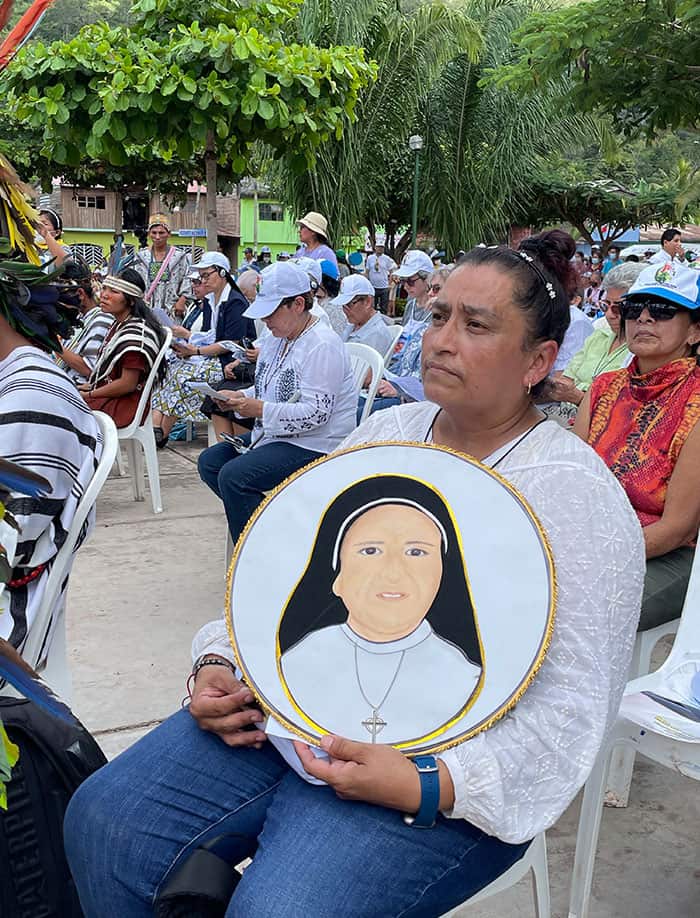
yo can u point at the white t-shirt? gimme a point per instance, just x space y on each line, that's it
662 256
378 268
316 365
517 778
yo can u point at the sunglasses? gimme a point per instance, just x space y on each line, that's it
435 288
613 305
410 281
658 309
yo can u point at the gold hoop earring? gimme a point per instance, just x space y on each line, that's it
529 388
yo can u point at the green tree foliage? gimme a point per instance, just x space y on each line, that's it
187 84
593 194
638 63
365 177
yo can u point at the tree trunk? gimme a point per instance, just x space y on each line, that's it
210 179
403 245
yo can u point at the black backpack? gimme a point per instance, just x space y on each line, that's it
55 757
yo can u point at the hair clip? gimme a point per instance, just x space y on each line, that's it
549 287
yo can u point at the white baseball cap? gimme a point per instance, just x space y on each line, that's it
212 260
351 286
277 282
414 261
311 266
671 281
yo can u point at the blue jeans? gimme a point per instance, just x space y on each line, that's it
242 480
131 823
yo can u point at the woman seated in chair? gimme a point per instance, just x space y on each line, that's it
643 422
200 356
302 402
45 427
128 352
344 849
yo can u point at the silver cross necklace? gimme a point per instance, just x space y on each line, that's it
374 724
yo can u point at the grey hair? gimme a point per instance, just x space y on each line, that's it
623 276
441 274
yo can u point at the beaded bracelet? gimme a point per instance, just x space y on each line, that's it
204 661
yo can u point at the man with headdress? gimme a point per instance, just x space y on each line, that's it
164 269
44 427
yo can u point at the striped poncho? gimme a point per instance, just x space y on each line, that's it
45 426
132 335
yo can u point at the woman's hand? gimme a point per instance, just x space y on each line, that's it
245 407
184 350
219 706
84 388
230 369
179 331
365 771
252 353
386 390
372 773
564 390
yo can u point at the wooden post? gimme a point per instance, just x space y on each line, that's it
210 178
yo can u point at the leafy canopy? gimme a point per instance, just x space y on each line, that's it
639 62
143 101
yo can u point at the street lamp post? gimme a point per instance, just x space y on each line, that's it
415 143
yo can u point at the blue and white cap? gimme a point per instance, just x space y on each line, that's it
671 281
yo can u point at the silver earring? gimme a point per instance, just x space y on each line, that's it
529 388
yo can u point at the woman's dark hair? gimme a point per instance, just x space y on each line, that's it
77 270
140 310
54 220
313 605
331 285
540 267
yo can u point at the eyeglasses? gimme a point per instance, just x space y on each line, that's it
659 310
612 305
435 288
203 275
410 281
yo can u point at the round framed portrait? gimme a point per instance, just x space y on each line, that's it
394 593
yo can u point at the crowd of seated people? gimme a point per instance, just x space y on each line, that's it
210 769
200 357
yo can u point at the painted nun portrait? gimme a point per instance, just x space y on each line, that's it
379 640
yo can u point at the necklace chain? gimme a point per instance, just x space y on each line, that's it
377 707
284 349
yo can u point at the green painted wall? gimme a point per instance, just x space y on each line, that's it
280 235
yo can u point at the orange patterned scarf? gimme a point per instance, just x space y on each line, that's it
639 424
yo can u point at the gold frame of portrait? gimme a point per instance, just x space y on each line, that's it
507 705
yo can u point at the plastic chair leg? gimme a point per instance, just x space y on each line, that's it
211 435
540 880
587 837
121 468
148 442
135 457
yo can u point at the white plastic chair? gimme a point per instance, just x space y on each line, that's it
682 757
54 669
395 335
142 434
617 790
364 358
534 861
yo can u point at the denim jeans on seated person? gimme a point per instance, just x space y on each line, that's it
379 404
137 819
242 480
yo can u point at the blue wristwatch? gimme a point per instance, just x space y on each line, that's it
427 768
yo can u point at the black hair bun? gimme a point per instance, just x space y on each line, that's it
554 250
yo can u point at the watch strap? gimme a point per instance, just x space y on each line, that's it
427 768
